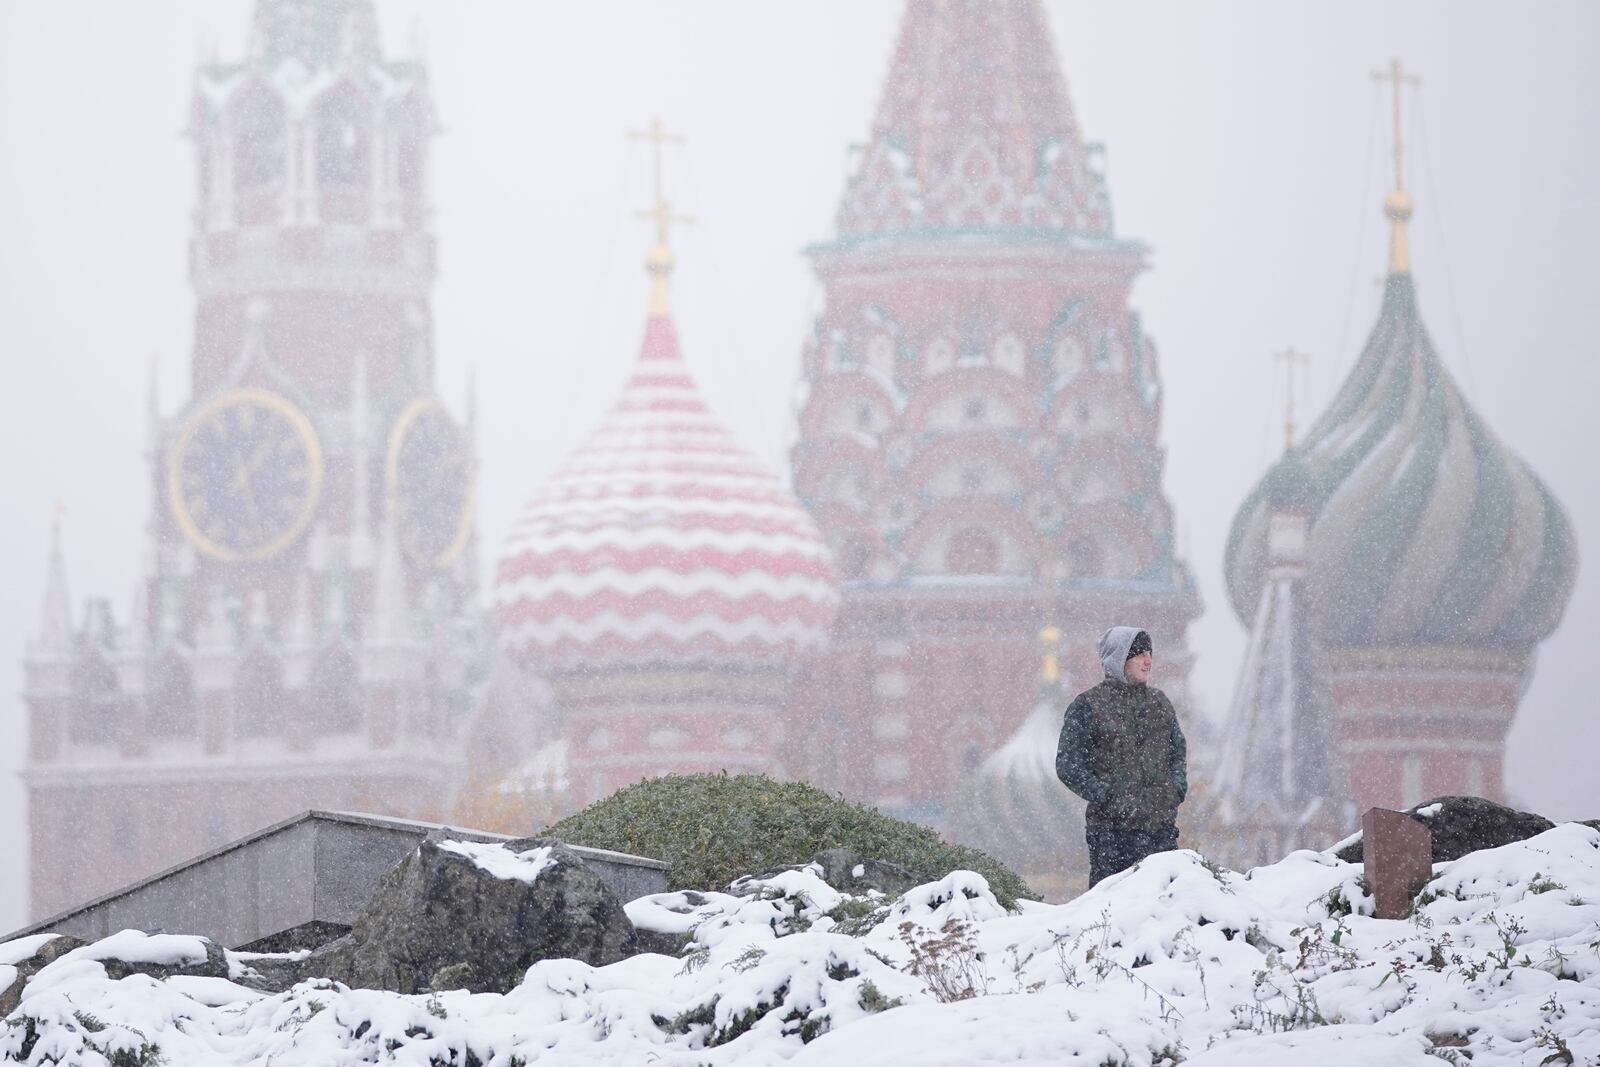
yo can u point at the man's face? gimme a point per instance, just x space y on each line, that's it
1138 668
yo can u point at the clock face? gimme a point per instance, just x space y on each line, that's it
244 476
430 484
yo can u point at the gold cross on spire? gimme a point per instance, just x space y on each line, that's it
1397 205
1290 359
658 262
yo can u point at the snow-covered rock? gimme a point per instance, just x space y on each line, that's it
1461 825
1174 961
464 914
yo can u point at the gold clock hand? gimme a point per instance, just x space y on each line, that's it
256 458
241 481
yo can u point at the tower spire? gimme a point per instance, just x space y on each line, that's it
658 262
1397 205
55 622
975 132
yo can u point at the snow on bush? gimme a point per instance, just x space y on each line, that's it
1174 961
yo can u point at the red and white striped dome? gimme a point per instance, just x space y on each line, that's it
661 540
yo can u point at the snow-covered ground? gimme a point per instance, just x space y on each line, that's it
1173 961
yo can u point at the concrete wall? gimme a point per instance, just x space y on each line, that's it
294 883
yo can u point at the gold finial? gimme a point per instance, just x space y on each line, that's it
1050 638
658 261
1290 359
1397 205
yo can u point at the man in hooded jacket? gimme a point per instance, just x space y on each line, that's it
1122 751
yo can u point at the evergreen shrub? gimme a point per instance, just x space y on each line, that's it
713 828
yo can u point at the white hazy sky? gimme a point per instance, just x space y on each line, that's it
1246 143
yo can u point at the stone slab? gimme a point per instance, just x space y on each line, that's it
295 884
1397 850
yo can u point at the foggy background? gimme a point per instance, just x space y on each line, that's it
1246 143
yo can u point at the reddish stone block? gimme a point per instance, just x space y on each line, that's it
1398 853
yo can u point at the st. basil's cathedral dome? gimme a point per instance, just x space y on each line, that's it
665 583
1431 564
1426 530
661 540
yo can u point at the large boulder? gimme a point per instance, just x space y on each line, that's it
156 955
464 914
25 957
1465 824
121 954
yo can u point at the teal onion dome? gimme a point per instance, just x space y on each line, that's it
1425 530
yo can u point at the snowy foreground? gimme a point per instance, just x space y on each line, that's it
1173 961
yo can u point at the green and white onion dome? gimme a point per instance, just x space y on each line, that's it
1425 529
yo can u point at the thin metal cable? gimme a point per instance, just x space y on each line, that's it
1444 253
739 372
1339 354
588 358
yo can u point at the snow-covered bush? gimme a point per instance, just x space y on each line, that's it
713 828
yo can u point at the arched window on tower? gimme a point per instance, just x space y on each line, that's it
333 695
853 558
1091 485
939 357
1084 557
1112 353
848 485
92 715
259 697
170 707
881 355
260 157
1068 359
856 415
344 155
972 551
1010 355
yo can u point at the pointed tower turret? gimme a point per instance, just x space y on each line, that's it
55 619
316 34
47 667
1280 781
979 399
975 131
1436 560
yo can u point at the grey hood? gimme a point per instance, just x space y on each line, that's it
1113 649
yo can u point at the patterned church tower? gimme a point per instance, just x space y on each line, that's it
303 635
664 582
978 438
1436 561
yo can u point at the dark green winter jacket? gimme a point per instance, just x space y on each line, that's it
1122 750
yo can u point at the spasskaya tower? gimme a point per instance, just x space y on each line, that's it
303 634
